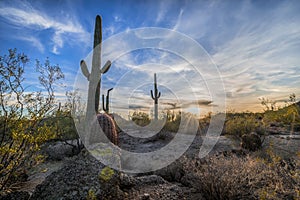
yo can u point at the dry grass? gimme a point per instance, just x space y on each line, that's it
233 177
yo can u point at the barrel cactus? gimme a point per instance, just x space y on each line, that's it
108 126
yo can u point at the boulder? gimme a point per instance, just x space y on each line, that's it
80 178
251 142
59 150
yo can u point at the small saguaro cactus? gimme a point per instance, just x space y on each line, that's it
155 97
94 77
106 108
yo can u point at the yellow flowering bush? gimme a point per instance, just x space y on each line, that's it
23 114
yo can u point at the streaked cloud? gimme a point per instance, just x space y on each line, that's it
255 46
24 15
34 41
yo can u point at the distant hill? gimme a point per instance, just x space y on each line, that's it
286 108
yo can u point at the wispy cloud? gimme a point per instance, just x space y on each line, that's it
23 15
254 48
262 60
134 64
254 45
34 41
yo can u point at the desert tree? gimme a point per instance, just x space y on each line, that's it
65 118
23 114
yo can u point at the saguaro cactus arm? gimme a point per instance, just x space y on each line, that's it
156 94
84 69
86 72
106 67
103 102
106 108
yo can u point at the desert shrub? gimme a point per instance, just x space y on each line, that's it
288 116
239 125
249 128
251 141
140 118
110 184
232 177
180 121
173 125
204 124
23 114
64 126
64 117
91 195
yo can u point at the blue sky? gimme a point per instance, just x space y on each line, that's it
254 44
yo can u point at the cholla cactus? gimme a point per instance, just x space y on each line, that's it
108 126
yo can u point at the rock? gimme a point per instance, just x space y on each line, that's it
59 150
172 173
78 179
189 180
236 152
149 180
146 196
18 195
297 128
127 181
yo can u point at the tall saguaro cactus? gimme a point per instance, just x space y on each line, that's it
106 108
155 97
94 77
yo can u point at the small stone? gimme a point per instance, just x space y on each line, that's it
146 196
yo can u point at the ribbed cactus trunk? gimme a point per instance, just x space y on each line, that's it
108 126
155 97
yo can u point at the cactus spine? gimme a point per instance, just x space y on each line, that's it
155 97
94 77
106 108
